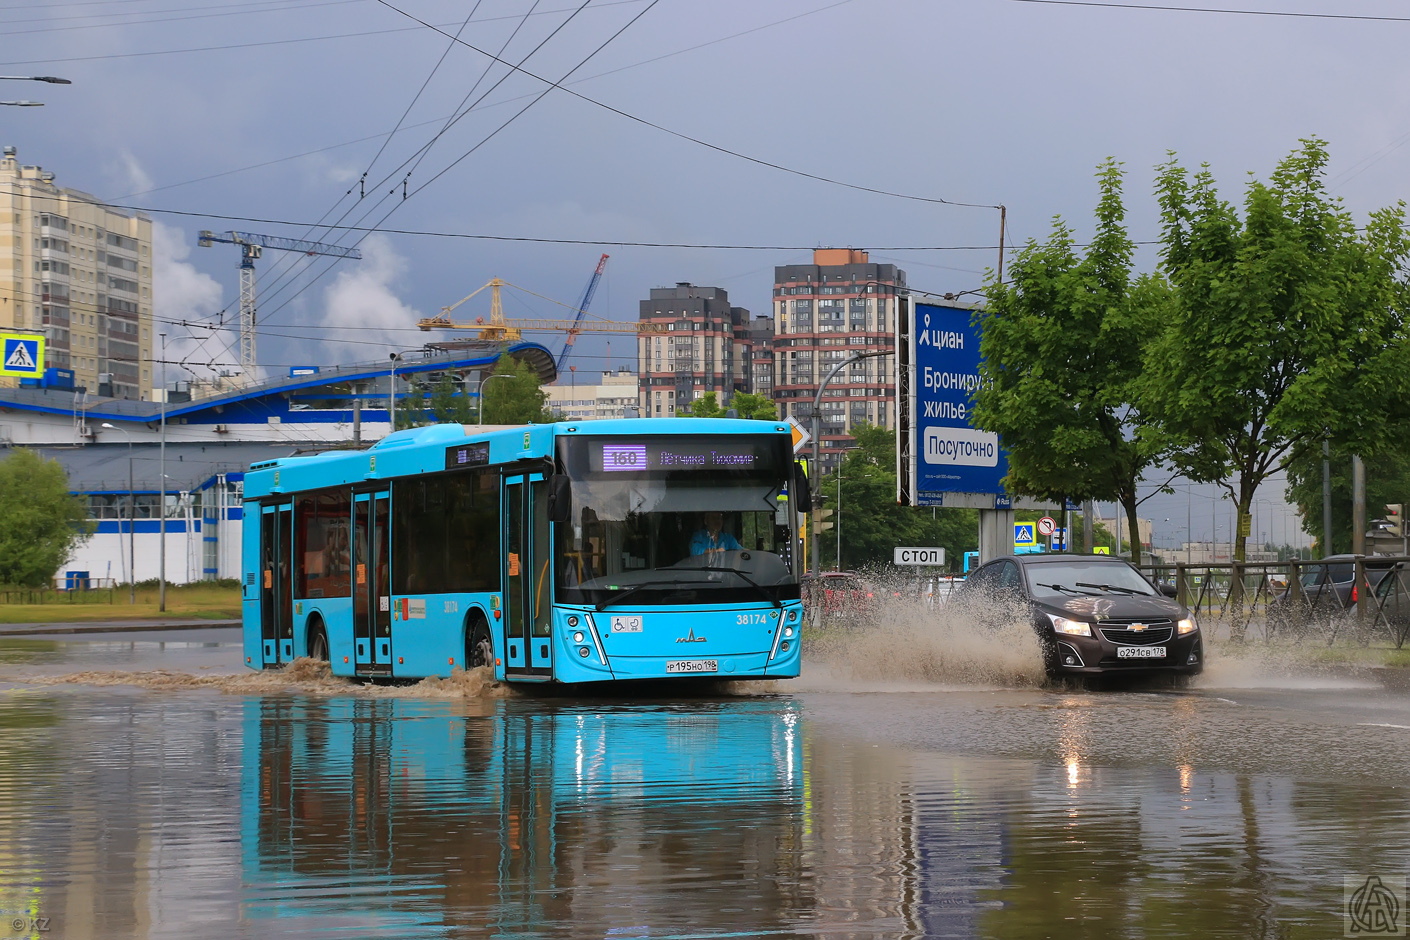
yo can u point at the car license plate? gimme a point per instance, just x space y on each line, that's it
1140 652
692 665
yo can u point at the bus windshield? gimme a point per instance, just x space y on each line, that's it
676 520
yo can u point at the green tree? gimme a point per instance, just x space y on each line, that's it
872 522
749 405
1284 327
706 406
1387 481
41 522
518 399
1063 346
743 404
449 403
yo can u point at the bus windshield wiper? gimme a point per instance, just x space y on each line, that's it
755 584
1112 588
1065 589
629 591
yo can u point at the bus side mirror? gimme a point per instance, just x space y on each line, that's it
804 493
560 498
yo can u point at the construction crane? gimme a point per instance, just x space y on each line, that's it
499 330
582 309
251 247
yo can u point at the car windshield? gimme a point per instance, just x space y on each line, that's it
1070 578
676 520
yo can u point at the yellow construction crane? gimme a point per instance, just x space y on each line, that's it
499 329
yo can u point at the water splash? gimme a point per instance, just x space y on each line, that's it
902 641
304 676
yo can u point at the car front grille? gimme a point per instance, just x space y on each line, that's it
1155 632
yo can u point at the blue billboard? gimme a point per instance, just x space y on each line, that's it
951 456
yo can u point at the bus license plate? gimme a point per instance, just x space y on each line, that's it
1140 652
692 665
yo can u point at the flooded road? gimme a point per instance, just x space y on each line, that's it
149 787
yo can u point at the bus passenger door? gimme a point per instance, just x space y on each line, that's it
527 577
276 611
372 600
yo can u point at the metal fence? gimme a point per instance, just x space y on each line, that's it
65 591
1358 599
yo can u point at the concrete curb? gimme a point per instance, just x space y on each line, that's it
112 626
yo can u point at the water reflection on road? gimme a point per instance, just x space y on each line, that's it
1004 813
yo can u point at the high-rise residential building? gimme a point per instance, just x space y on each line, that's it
759 356
699 352
824 312
80 272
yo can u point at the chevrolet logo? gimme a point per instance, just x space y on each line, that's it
1136 627
690 637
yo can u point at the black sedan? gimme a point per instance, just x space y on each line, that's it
1094 614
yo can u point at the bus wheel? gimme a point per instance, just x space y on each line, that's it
318 642
479 649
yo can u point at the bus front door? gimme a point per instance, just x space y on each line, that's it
372 596
527 578
276 609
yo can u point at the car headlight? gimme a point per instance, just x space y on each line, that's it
1187 625
1070 627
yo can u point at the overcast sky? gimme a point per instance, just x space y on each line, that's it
262 116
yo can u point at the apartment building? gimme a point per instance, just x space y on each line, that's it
584 396
824 312
699 352
80 272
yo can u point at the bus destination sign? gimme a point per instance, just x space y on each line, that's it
639 456
468 455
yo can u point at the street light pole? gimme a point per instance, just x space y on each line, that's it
161 502
52 80
131 519
498 375
817 443
392 396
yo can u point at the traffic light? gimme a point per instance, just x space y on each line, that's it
1395 520
823 517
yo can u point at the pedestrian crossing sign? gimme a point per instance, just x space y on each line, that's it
21 354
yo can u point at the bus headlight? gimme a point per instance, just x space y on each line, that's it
578 637
783 646
573 622
584 652
792 616
1187 625
787 631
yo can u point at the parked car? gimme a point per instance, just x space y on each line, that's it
1093 614
1325 587
839 595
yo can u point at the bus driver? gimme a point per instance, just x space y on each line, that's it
713 540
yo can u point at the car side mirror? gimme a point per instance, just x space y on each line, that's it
1169 590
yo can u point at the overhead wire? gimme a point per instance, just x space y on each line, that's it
496 104
1187 9
695 140
315 278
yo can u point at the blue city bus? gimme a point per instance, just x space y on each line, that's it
572 552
